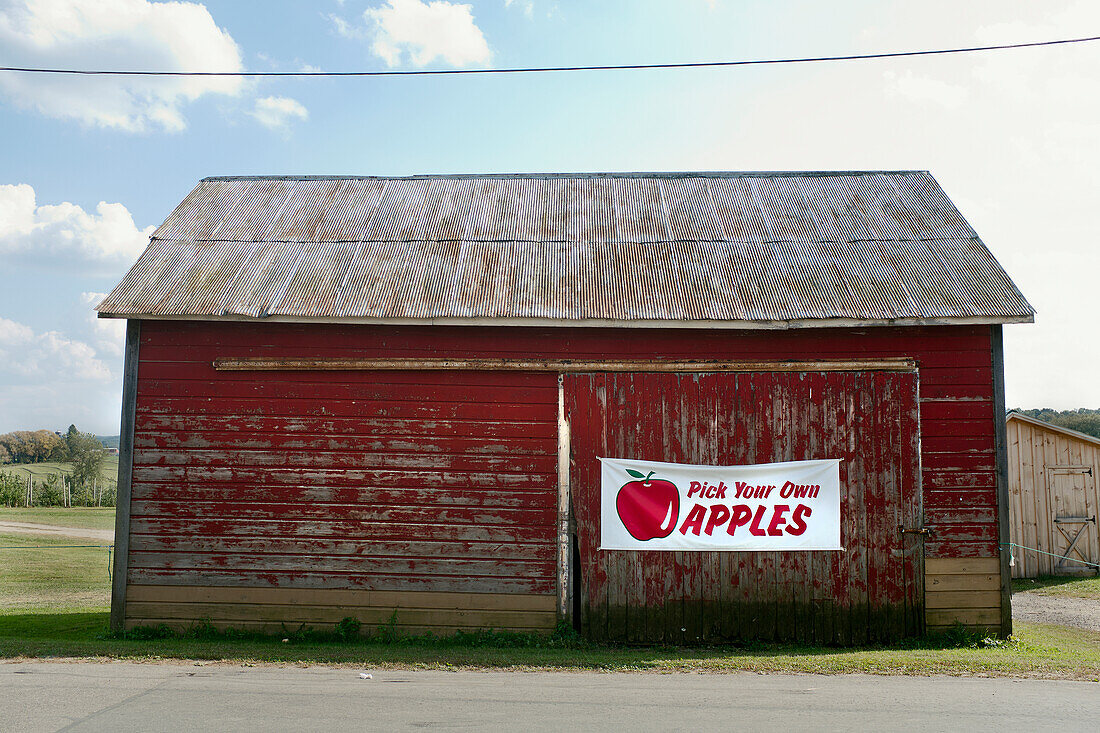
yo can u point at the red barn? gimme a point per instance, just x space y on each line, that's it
384 398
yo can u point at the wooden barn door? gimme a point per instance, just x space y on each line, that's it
872 591
1073 508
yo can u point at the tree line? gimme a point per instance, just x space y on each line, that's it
1083 420
83 450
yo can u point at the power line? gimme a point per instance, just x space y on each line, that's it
538 69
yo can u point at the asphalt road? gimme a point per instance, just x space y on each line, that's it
44 696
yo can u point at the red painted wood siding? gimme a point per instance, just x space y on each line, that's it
387 482
870 592
237 475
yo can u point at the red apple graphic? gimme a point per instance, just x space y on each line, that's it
648 508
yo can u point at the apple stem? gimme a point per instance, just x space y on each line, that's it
646 479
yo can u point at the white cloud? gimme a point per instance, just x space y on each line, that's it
115 34
108 334
48 380
528 6
277 112
917 88
25 355
421 32
65 236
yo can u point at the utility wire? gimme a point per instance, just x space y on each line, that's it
526 70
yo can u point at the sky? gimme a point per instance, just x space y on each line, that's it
90 166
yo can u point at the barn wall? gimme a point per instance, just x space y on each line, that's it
276 485
1032 451
870 592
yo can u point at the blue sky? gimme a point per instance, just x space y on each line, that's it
88 165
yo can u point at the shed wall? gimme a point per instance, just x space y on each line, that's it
264 498
1035 455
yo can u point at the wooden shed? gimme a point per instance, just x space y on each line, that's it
385 398
1053 498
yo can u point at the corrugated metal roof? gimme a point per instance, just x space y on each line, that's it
754 248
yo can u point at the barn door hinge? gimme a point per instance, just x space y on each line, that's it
922 531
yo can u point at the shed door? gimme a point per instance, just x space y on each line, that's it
872 591
1072 504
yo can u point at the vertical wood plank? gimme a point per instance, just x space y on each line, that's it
120 575
867 593
1002 476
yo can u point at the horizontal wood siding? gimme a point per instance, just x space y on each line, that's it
273 609
963 590
428 471
385 487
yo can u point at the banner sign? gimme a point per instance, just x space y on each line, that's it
646 505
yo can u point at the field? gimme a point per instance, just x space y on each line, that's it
55 602
107 472
63 580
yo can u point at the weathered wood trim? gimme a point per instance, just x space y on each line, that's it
269 608
1001 443
590 322
371 616
342 597
281 627
963 599
567 366
125 471
945 617
564 550
975 582
962 565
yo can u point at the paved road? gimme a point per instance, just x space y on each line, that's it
43 696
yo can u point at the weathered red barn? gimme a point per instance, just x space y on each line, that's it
384 398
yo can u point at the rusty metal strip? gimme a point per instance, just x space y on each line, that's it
561 366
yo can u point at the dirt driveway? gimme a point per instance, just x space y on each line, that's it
1033 607
51 530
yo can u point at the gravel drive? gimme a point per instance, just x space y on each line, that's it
51 530
1083 613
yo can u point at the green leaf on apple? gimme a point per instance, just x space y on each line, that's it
635 474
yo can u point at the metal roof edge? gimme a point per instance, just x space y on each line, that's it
1013 414
603 174
594 322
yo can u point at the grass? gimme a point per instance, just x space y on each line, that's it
1037 651
54 603
1060 585
108 471
51 580
79 517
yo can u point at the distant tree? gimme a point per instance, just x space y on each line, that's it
1083 420
47 446
71 436
33 446
5 454
86 455
17 445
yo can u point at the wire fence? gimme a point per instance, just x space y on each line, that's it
109 548
1064 558
23 487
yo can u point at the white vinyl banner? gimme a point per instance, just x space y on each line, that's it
646 505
